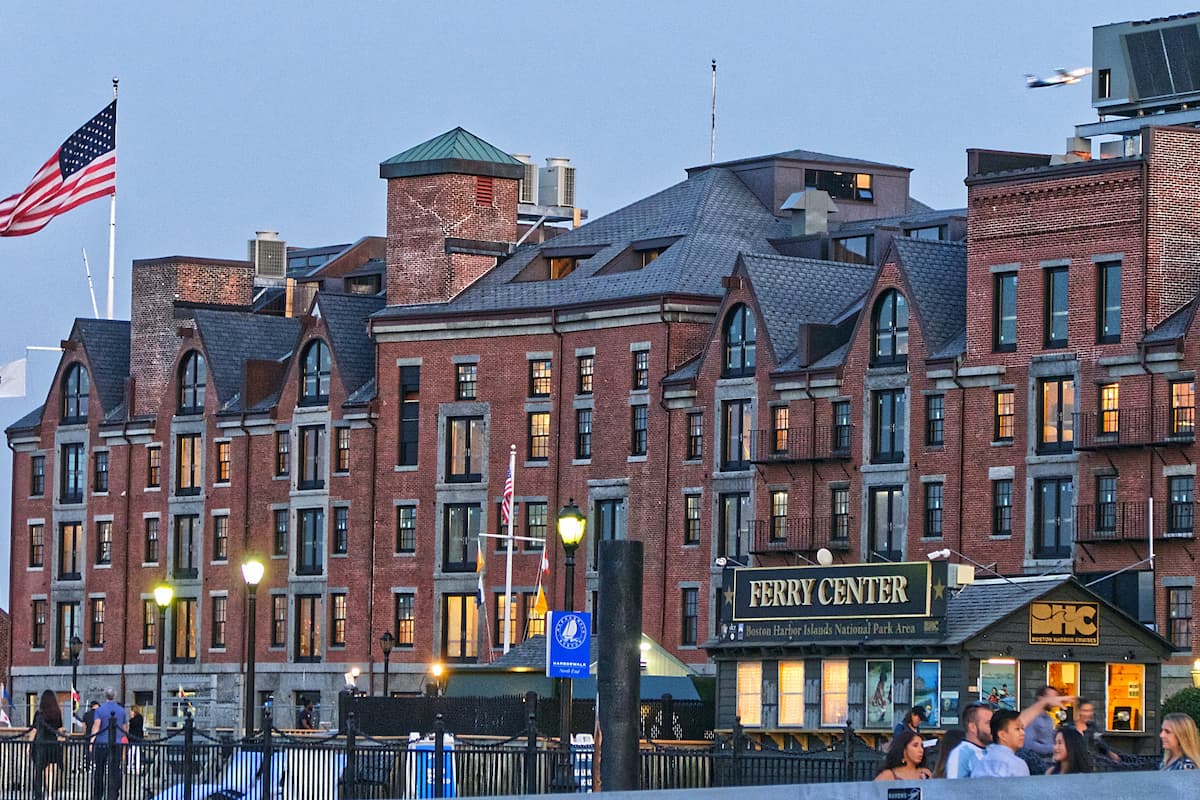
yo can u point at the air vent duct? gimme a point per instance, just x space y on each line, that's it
268 253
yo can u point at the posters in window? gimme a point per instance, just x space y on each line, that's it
998 683
879 694
926 685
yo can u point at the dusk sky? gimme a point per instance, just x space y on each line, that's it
237 117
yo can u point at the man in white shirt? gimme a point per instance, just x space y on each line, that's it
977 721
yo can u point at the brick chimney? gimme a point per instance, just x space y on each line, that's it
164 292
452 210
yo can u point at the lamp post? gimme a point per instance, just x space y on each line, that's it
571 526
75 647
163 594
437 669
386 643
252 573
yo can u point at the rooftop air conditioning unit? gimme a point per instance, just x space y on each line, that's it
556 183
268 253
527 187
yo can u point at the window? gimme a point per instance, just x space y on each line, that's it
1183 409
149 624
1125 697
1103 84
737 420
933 510
75 390
779 513
695 440
935 420
222 462
219 621
539 436
1004 425
887 523
464 449
193 378
1110 409
841 426
1106 506
37 476
1056 402
513 620
689 631
1108 302
187 546
932 233
341 530
691 519
466 382
406 619
641 369
70 543
337 622
1180 510
71 477
308 627
586 370
96 622
535 620
888 430
283 453
1053 518
539 378
104 542
220 538
562 267
314 375
68 626
583 433
749 693
637 430
278 620
1004 313
740 337
406 529
410 407
188 458
1002 507
889 330
280 544
310 543
150 556
610 526
461 535
1179 617
100 472
839 503
37 636
840 185
735 512
37 544
153 467
184 629
791 693
1056 308
535 525
779 429
835 691
460 615
341 462
851 249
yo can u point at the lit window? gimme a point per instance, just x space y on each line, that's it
835 691
460 617
464 449
220 618
279 608
641 370
153 467
539 436
1110 409
562 267
749 693
840 185
406 620
779 429
308 627
37 544
791 693
691 519
466 382
342 458
222 462
587 367
540 378
779 513
337 622
221 538
104 542
1125 695
1004 425
1056 404
1183 409
189 456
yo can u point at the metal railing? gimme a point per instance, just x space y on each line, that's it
801 534
1130 521
1134 427
795 445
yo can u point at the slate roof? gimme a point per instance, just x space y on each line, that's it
458 143
1173 327
802 155
937 277
346 316
233 337
713 213
106 342
986 602
30 420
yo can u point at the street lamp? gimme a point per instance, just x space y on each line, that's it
437 669
1196 673
163 594
252 573
571 526
75 647
386 643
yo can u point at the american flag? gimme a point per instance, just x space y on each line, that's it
84 168
507 502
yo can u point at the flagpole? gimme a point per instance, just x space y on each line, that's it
512 470
112 226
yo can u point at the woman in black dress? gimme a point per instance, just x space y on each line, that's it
47 750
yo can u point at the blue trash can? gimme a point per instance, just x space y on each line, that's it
419 771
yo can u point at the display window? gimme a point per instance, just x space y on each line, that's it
835 691
791 692
1063 676
998 683
749 693
879 694
1125 696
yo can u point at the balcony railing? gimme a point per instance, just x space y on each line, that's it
796 445
1130 521
1134 427
801 534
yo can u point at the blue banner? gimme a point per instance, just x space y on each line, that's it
568 644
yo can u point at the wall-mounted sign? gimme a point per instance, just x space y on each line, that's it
1064 623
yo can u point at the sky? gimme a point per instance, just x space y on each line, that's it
237 117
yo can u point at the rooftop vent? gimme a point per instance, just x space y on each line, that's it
527 187
556 183
810 211
268 253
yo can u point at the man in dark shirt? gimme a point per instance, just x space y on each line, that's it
109 724
304 720
87 719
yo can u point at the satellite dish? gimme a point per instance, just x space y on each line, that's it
824 557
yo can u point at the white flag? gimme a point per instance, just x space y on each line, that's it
12 378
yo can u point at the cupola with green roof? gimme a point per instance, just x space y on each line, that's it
456 151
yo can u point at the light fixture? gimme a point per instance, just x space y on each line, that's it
163 594
386 643
1196 673
252 571
571 525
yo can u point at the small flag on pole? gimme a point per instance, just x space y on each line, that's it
540 605
479 565
12 378
506 503
74 699
83 168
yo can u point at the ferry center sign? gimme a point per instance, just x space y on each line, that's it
844 602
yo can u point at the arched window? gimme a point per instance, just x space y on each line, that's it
739 337
193 380
314 377
890 329
75 389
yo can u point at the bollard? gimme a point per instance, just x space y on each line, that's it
267 725
668 717
350 776
439 749
531 742
739 741
847 748
189 756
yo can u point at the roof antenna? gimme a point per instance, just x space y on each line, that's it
712 133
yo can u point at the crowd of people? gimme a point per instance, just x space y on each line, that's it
1002 742
106 749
